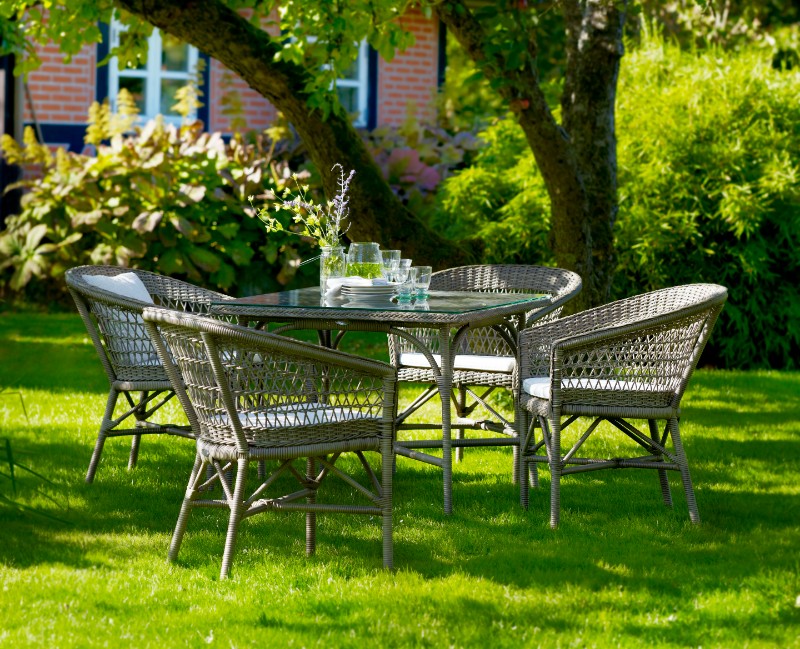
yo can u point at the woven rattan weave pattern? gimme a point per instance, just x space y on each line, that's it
254 396
630 359
114 324
560 285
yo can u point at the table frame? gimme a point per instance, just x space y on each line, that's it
452 328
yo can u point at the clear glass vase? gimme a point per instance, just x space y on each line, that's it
332 263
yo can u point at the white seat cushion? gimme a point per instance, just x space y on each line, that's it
291 416
539 386
126 284
129 348
473 362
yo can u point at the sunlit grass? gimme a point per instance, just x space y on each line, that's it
622 570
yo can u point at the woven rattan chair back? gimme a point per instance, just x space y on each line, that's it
251 395
115 326
657 340
628 359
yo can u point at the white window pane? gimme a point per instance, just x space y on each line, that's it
353 71
348 97
124 37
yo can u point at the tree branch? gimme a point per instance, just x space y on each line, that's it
249 51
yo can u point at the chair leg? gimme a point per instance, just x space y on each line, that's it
134 456
137 439
311 517
555 470
674 432
387 460
237 508
461 402
522 423
533 467
662 473
101 436
186 508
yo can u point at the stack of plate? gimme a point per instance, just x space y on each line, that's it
381 292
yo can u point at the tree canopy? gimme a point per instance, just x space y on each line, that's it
576 152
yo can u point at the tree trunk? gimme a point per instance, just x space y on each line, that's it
577 160
594 50
376 214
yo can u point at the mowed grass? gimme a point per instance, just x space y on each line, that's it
622 570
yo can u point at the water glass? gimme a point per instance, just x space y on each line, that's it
390 261
422 283
405 290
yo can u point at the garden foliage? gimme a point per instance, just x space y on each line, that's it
709 174
175 200
159 197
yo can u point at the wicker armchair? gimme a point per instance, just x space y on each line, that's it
486 357
114 323
630 359
252 396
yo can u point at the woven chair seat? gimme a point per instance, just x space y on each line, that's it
600 391
473 362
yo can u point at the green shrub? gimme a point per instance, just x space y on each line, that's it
501 200
164 198
709 174
709 150
175 200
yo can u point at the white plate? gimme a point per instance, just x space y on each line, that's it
368 290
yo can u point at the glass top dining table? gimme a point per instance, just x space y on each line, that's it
451 313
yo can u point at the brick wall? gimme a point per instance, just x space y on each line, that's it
409 82
62 93
256 111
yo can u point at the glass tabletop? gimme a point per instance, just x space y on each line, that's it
444 302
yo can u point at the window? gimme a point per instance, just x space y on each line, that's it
170 64
352 87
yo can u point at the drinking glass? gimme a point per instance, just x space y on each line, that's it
405 290
422 282
390 261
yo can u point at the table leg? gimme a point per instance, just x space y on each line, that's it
445 383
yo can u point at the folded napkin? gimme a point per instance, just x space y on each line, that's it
335 283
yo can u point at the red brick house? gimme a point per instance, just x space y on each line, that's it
59 94
376 91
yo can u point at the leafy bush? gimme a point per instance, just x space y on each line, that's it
175 200
165 198
708 152
501 200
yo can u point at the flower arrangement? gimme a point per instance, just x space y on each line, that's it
324 223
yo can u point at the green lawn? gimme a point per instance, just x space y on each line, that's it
620 571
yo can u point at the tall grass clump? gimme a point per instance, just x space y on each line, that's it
709 180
